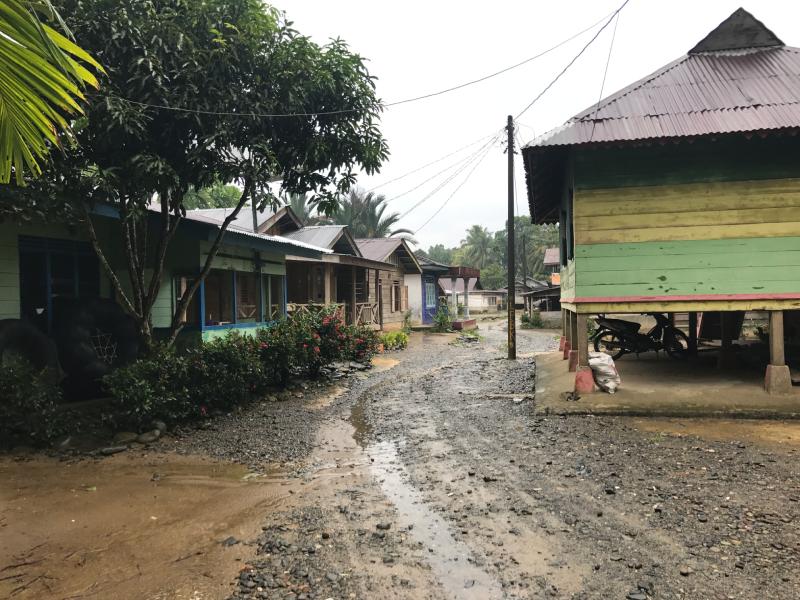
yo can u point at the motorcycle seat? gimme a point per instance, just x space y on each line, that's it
620 325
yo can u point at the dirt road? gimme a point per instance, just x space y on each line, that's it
429 477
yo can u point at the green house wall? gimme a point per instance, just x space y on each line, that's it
706 220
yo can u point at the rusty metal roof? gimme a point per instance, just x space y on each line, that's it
741 88
552 256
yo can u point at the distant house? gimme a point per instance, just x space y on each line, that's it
423 289
523 287
552 265
681 192
389 286
480 300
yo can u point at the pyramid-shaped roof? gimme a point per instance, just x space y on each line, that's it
740 77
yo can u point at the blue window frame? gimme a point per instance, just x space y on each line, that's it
53 274
240 300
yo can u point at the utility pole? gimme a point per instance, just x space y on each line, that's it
512 324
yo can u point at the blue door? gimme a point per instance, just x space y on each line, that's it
429 298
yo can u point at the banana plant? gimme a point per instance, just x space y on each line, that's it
42 78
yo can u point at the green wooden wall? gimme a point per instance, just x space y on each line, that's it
704 218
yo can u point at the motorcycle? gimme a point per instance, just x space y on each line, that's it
616 337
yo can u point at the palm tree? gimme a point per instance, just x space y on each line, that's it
41 82
478 246
365 214
305 211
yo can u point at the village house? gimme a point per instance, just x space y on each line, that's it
681 193
552 265
476 299
389 286
423 289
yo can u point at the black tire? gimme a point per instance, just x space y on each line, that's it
24 340
676 344
608 342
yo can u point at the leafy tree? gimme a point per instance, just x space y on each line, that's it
493 277
189 85
41 85
303 209
217 195
440 254
478 246
365 214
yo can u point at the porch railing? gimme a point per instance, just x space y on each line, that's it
298 308
368 313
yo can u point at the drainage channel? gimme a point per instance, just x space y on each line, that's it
449 558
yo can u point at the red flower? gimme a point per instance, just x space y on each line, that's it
203 410
264 345
305 345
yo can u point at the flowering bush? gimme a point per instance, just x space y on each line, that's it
364 342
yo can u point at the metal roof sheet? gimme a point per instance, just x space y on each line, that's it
699 94
552 256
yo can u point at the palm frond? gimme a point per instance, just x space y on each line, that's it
41 83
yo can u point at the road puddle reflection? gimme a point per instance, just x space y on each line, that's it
449 559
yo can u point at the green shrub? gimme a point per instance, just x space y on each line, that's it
28 402
226 371
394 340
532 320
441 320
153 387
277 351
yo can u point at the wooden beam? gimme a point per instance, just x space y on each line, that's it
692 333
353 307
777 355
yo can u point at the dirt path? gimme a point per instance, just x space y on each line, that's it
428 477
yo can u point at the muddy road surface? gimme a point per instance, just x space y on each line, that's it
430 477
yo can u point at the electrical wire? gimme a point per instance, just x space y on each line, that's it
433 162
453 193
384 105
465 165
571 62
605 73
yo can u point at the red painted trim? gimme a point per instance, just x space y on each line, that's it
690 298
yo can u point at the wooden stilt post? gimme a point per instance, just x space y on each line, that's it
777 380
567 333
563 339
584 381
353 307
726 348
573 341
692 334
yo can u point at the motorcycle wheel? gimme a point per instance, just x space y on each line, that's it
676 345
609 343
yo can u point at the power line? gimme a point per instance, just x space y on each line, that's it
433 162
453 193
570 63
467 162
605 73
384 105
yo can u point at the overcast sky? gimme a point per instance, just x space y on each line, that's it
417 47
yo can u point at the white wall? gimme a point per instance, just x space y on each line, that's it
414 283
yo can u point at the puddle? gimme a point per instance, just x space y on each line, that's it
383 363
449 559
129 526
767 432
325 400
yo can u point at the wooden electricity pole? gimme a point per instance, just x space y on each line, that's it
512 325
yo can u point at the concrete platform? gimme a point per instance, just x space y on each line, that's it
664 387
464 324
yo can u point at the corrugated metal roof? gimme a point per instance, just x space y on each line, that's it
244 220
205 217
552 256
318 235
381 248
699 94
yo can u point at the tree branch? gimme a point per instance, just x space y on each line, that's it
123 298
189 293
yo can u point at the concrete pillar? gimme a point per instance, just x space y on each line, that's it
777 379
466 297
328 283
584 380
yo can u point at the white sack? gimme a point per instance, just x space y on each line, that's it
605 373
